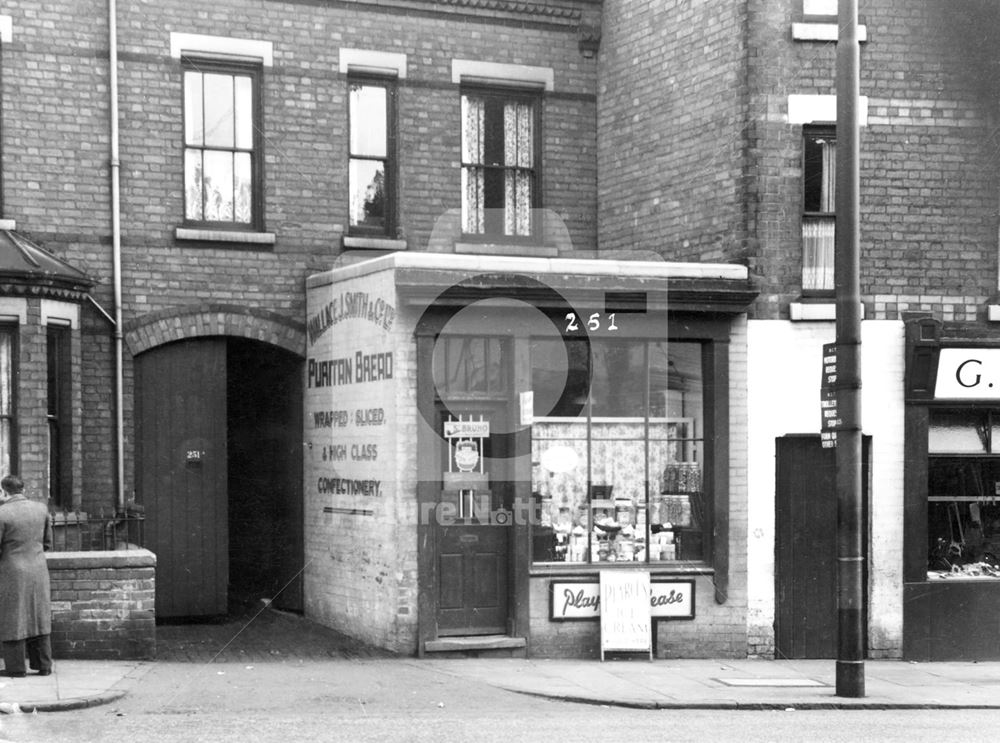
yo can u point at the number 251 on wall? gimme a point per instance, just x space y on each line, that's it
593 322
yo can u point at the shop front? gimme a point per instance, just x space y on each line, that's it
523 428
952 525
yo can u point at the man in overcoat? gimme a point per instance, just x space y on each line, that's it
25 609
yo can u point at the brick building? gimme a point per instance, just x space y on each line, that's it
329 287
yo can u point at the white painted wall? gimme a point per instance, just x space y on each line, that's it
783 398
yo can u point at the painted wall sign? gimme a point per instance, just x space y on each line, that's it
968 373
625 612
581 599
348 305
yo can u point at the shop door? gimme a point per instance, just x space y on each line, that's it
473 544
181 463
806 547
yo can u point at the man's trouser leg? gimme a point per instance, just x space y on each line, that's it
40 653
13 656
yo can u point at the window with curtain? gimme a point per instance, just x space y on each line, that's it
222 128
8 349
372 163
819 209
60 436
499 163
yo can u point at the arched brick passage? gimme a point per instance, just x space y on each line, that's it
165 326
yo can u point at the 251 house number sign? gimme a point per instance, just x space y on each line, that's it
580 600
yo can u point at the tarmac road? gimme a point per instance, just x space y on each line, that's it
393 700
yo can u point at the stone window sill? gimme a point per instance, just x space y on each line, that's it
822 32
534 251
812 311
372 243
224 236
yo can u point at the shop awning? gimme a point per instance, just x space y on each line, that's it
443 279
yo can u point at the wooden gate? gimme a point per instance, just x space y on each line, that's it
181 456
806 547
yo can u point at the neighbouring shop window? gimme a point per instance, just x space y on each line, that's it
372 163
222 136
8 421
819 170
963 489
59 410
618 451
499 163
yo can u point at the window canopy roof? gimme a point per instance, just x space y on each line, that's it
29 269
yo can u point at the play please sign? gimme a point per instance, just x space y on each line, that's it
576 600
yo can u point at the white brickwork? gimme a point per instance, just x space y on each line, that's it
784 393
360 528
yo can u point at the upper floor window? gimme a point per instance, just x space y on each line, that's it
222 136
372 168
8 420
500 136
819 170
60 433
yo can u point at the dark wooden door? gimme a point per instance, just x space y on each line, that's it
473 550
181 462
806 547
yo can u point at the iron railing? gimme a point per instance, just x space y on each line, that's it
74 531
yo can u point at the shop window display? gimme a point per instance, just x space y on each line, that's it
617 463
963 510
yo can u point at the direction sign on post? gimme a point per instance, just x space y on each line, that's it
830 420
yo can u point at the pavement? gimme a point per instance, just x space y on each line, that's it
276 637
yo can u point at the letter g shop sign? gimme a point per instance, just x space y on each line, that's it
968 374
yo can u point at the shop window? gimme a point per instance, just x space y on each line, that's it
372 162
471 365
618 451
819 170
499 163
59 410
8 400
963 489
222 143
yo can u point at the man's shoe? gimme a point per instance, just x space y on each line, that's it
45 672
13 674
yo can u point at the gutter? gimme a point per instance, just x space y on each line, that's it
116 252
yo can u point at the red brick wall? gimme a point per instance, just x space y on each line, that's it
670 116
56 156
103 604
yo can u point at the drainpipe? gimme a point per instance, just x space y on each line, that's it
116 252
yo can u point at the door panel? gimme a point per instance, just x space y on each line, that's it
181 473
473 553
806 546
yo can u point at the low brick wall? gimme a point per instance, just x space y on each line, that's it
103 604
